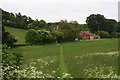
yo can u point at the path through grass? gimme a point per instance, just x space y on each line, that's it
63 67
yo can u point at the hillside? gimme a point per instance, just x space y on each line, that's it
18 33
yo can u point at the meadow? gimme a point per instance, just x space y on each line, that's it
81 59
95 58
17 33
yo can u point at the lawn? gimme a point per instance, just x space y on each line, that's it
92 58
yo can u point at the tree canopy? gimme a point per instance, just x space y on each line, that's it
95 22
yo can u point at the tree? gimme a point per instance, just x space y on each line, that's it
111 25
70 32
96 22
44 25
15 20
74 22
118 27
83 27
40 25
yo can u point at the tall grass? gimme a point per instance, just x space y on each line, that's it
78 57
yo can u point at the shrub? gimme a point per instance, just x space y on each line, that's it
42 36
45 36
32 37
104 34
115 35
79 37
58 36
118 35
11 61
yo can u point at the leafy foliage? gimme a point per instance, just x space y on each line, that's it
116 35
118 27
59 36
11 60
96 22
32 37
104 34
39 25
15 20
110 26
45 36
42 36
70 32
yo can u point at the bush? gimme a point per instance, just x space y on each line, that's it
45 36
58 36
79 37
32 37
104 34
118 35
42 36
11 61
115 35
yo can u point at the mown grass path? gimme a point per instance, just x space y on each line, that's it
63 67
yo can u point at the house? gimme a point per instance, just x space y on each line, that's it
86 35
54 25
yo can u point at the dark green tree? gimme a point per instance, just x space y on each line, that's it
40 25
15 20
111 25
118 27
96 22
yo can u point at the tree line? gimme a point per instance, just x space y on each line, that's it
64 30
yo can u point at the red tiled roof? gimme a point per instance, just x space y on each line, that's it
88 33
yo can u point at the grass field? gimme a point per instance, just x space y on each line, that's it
18 33
91 59
95 58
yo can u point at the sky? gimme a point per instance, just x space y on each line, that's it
119 11
56 10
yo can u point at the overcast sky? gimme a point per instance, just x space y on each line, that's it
56 10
